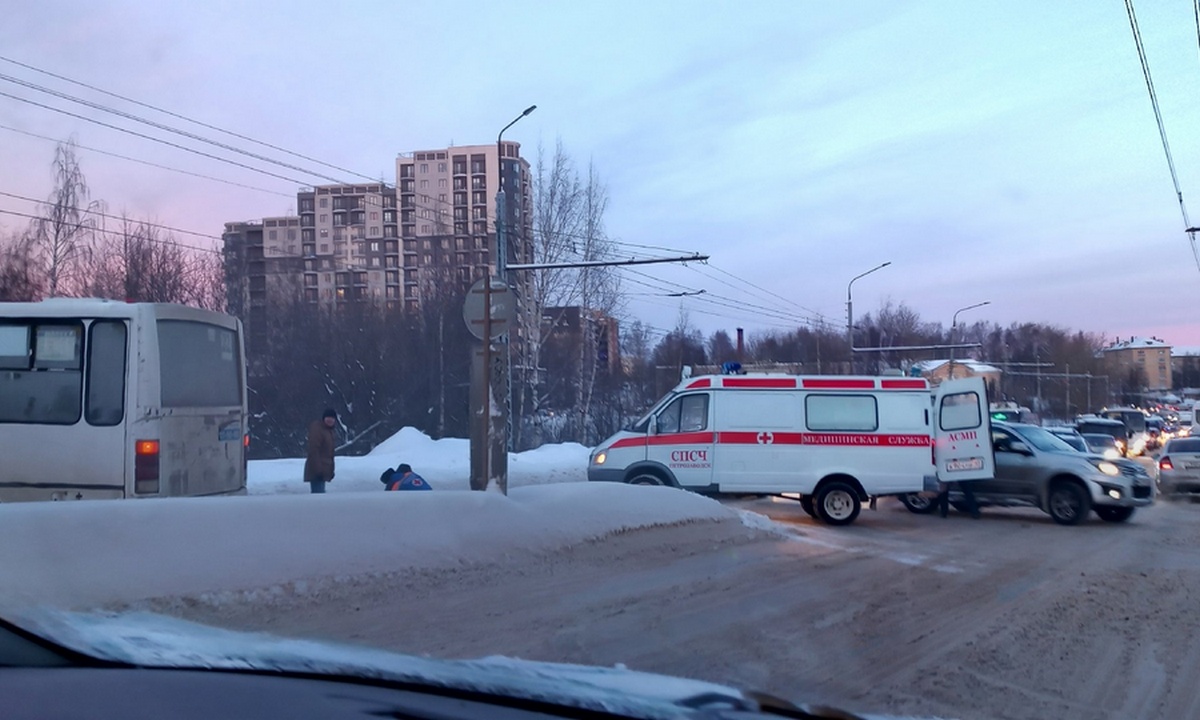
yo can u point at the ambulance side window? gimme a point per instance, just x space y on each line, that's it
687 414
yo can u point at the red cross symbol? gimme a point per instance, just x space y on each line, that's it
766 438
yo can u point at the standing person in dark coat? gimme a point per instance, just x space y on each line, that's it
318 464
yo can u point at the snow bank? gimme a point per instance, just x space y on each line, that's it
445 463
89 554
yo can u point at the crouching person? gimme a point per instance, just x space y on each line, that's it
403 478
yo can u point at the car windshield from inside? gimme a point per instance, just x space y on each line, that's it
1043 439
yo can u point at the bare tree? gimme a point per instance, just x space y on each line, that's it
140 262
598 292
568 219
21 276
67 221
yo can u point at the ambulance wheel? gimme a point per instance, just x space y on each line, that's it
645 478
919 503
806 502
838 503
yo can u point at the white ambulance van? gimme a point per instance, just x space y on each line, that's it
834 441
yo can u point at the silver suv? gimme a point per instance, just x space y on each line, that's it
1033 467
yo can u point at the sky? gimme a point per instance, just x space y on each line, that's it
1000 152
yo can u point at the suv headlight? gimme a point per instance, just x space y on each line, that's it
1107 468
600 458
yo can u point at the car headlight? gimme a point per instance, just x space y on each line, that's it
1108 468
600 458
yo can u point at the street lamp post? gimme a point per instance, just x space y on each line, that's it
850 312
954 326
488 441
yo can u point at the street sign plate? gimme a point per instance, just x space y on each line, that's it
504 308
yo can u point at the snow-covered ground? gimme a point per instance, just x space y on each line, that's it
444 463
87 554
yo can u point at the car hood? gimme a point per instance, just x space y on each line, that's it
150 640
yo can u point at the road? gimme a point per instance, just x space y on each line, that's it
1010 616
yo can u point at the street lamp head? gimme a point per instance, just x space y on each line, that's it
528 110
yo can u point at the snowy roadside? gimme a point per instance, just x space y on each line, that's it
86 555
445 463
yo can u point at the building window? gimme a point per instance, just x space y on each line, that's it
478 198
442 183
478 213
325 232
424 168
324 247
270 234
323 202
424 184
374 262
442 167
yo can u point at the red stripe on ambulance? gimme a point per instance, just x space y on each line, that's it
904 385
822 384
737 382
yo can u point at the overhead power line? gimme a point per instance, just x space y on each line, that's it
154 139
97 213
150 164
721 301
162 126
1162 130
185 118
764 290
106 231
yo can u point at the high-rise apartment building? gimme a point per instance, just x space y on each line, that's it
375 242
447 201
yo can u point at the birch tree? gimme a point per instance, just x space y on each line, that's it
66 221
568 221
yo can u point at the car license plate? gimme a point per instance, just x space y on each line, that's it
963 465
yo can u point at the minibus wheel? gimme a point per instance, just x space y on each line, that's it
838 503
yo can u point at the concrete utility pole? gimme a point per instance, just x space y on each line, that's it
850 312
489 452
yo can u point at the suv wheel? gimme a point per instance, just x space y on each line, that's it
919 503
838 503
1114 514
1068 503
